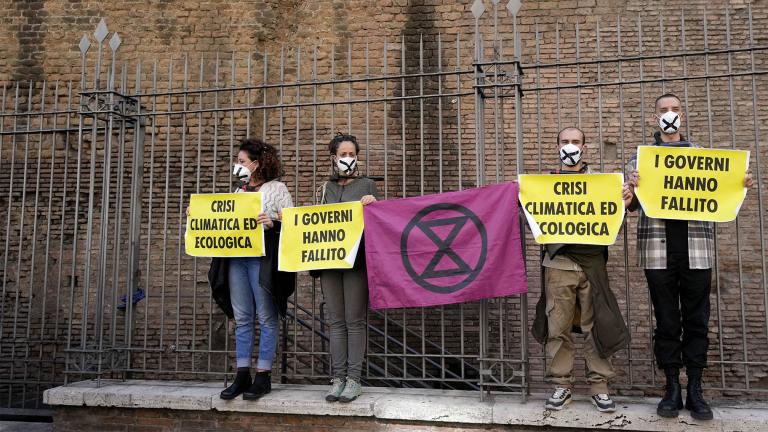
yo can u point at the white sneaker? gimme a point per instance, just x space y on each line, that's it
560 398
603 403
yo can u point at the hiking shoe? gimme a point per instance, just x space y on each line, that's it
337 386
560 398
352 390
603 403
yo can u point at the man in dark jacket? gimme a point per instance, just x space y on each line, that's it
677 257
576 291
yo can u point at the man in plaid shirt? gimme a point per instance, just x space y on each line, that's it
677 257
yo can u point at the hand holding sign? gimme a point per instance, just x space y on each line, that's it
692 183
265 220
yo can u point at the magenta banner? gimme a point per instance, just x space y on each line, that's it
446 248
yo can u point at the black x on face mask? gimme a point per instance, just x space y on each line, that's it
669 122
570 154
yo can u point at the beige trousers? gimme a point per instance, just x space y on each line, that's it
567 291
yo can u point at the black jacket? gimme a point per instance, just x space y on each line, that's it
280 285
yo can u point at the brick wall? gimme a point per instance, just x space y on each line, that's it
128 420
39 40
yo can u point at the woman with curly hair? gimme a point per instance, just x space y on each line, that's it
254 285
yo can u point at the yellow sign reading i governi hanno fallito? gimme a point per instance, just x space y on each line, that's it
691 183
573 208
224 225
320 237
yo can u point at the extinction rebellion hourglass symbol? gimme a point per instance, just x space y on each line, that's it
453 247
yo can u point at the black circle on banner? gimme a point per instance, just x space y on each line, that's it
444 248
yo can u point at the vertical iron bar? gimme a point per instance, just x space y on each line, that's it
599 95
52 162
30 307
134 234
718 297
8 220
150 207
421 114
402 113
732 112
520 169
22 212
643 135
440 112
538 97
760 203
623 158
366 153
385 125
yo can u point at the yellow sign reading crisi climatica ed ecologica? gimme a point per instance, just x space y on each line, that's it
573 208
224 225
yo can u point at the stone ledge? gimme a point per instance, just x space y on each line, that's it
434 406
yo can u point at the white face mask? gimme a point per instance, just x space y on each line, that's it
241 172
570 154
669 122
346 165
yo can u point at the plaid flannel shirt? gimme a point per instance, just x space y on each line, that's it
652 239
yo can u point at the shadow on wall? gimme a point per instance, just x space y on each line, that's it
423 141
30 31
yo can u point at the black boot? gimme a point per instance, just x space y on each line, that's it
262 384
239 385
672 402
694 400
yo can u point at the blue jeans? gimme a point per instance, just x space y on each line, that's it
249 299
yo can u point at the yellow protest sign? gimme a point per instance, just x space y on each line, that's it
224 225
573 208
691 183
320 237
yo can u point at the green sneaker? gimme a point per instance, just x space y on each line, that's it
352 390
337 386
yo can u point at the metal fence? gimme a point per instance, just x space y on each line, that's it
95 176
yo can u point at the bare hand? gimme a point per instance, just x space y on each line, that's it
627 194
634 179
748 182
266 221
368 199
187 211
280 215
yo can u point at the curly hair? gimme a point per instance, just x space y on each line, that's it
270 167
333 146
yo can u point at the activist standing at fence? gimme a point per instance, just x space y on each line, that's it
677 256
254 285
576 293
346 291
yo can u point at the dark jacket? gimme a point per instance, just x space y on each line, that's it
609 330
280 285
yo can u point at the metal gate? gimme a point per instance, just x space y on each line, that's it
95 176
